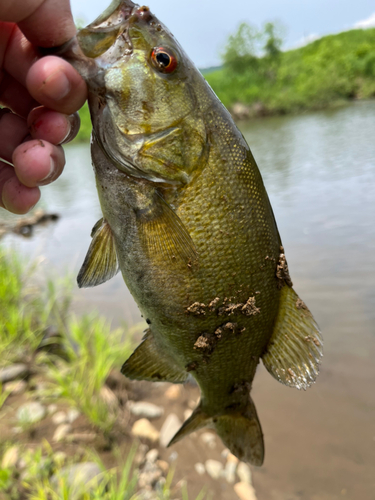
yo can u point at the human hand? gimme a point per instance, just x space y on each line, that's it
30 138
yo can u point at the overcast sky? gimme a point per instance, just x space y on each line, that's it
202 26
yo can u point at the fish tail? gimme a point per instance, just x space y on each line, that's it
242 434
240 431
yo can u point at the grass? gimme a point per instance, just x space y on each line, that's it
72 364
93 350
25 310
43 478
118 483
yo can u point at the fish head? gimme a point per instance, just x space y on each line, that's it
144 94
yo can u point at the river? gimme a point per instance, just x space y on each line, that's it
319 171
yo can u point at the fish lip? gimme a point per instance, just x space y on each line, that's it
118 13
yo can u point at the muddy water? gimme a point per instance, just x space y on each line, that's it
319 170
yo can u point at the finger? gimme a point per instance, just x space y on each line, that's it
13 130
56 84
14 196
18 53
38 162
15 96
53 15
52 126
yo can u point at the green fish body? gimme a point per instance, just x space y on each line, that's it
187 220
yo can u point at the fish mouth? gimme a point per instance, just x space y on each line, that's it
97 37
100 35
115 15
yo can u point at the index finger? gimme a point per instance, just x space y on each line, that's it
45 23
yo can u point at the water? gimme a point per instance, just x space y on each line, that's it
319 170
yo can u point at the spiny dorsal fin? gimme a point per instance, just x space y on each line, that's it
163 233
100 264
295 349
150 363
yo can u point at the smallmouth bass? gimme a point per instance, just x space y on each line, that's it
187 220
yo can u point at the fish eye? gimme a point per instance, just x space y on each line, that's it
163 59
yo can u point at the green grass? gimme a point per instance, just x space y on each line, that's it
19 326
333 69
26 310
86 127
93 350
118 483
88 349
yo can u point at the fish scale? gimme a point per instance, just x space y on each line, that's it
187 220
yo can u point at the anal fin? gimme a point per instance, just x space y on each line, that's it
100 264
295 349
149 363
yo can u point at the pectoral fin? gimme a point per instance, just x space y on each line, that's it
149 363
163 233
100 264
295 349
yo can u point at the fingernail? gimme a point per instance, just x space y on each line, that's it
74 124
56 86
49 177
67 137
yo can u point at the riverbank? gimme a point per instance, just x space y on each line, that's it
72 426
329 71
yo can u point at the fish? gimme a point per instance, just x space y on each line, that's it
187 221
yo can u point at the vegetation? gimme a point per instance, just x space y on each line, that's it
68 364
333 69
92 351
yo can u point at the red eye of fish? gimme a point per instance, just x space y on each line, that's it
164 60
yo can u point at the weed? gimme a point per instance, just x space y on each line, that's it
93 351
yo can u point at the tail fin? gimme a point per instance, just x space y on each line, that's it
240 432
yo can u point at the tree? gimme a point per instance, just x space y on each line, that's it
273 41
242 49
254 50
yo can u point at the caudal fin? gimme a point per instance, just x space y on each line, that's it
240 432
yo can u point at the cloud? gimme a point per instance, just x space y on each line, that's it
366 23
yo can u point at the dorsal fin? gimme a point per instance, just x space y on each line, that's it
100 264
295 349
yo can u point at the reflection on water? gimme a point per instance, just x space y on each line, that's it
319 170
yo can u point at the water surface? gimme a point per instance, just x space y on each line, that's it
319 171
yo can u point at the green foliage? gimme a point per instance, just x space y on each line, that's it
242 49
92 351
25 310
86 127
332 69
113 484
273 41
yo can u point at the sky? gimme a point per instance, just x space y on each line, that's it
202 26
